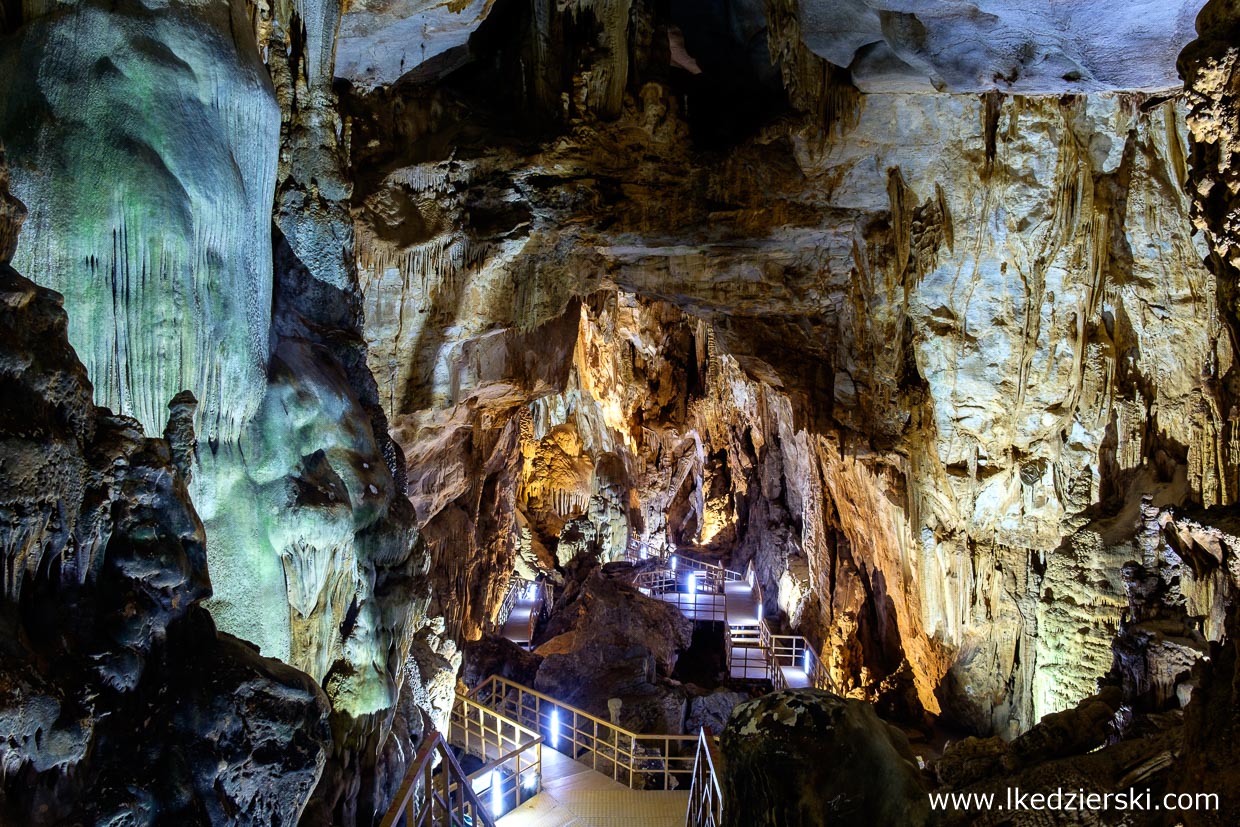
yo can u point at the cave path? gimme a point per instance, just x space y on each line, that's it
753 653
573 795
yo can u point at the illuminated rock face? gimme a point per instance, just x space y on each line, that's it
381 40
152 195
145 147
117 696
1011 45
929 362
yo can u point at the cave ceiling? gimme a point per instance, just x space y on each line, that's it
1018 46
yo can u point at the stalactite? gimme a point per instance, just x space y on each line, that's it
167 270
812 84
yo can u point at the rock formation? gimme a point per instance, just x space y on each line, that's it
608 642
154 217
926 310
808 757
119 701
922 375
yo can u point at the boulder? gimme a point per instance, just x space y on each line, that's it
609 641
495 655
806 757
712 711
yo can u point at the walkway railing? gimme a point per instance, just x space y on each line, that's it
747 652
792 651
439 796
641 762
540 593
513 754
636 551
515 586
705 793
795 652
714 569
697 606
701 602
656 581
665 580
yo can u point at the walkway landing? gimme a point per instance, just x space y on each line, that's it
573 795
795 677
699 606
742 603
517 628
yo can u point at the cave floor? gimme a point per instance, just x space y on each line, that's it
574 795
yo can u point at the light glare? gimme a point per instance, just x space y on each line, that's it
497 794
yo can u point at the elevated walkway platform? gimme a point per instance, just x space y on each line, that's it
517 627
573 795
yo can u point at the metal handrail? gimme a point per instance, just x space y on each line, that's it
702 602
698 607
786 650
706 793
795 651
518 586
512 752
656 581
543 601
631 758
510 599
428 798
714 568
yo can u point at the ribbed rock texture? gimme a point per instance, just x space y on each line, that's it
153 208
145 152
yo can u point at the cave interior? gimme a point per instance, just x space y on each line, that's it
796 412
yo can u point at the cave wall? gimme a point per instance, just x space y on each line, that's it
119 700
155 148
953 339
939 365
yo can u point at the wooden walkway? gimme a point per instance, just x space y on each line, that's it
573 795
